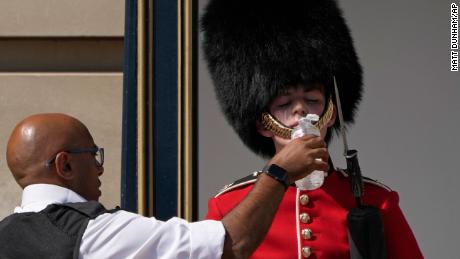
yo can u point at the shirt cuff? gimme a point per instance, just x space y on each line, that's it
207 239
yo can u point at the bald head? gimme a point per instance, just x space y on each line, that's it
36 139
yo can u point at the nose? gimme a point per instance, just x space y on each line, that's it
300 108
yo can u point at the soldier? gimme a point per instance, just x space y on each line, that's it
273 63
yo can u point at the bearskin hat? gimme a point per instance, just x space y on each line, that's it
255 48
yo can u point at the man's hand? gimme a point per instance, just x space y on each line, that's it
302 156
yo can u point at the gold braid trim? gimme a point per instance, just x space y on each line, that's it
283 131
275 126
326 117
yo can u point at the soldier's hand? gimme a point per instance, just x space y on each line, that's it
300 157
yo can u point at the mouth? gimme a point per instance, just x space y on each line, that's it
99 188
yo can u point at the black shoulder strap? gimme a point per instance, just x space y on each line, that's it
90 209
240 182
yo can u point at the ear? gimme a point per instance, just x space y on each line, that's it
333 118
63 166
262 130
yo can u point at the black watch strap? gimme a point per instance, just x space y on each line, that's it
277 173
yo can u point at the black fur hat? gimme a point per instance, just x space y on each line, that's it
255 48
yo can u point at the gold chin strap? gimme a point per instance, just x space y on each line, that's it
283 131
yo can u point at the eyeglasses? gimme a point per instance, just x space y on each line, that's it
98 153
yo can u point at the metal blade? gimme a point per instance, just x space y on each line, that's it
342 123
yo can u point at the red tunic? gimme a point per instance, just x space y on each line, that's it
317 219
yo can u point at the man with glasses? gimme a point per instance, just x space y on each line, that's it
54 158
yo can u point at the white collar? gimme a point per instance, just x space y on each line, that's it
36 197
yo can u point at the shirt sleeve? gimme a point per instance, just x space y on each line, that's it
400 240
128 235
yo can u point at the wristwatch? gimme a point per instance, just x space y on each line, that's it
278 173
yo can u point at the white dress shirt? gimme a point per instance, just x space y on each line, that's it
127 235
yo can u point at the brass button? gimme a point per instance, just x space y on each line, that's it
304 218
306 251
304 199
306 233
